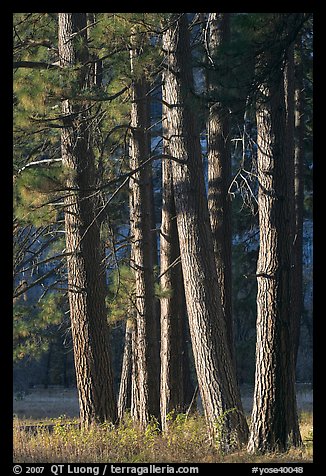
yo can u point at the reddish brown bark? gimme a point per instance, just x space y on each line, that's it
85 269
215 371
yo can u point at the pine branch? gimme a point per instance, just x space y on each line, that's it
30 43
35 65
18 292
48 260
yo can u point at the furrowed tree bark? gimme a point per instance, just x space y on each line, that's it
274 421
173 307
215 371
219 164
145 381
85 268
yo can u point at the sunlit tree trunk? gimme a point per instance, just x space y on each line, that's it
215 372
173 307
274 421
219 162
85 267
145 394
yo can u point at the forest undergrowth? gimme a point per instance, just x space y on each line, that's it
185 441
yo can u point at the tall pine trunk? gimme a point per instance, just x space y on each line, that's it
219 162
274 421
296 298
173 308
145 346
85 267
215 372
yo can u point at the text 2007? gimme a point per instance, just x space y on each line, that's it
34 469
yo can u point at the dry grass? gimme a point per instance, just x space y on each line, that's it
185 442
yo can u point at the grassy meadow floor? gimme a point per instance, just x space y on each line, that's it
61 440
185 442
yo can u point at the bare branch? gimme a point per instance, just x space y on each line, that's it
174 263
39 162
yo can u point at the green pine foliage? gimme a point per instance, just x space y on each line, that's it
34 188
32 325
121 297
35 40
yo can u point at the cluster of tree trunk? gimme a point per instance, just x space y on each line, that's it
195 243
212 352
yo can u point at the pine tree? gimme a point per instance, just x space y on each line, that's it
215 371
174 354
274 422
145 378
219 162
85 268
